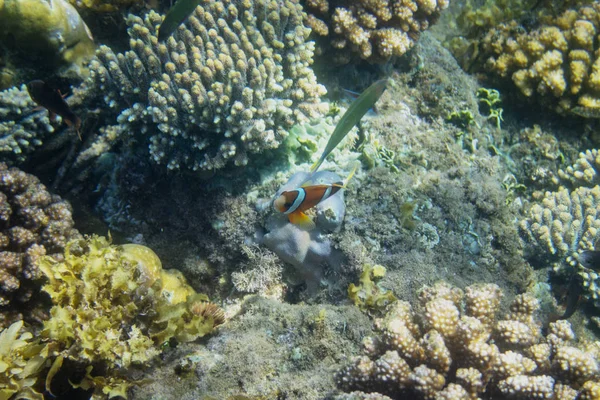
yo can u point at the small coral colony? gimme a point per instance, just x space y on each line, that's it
299 199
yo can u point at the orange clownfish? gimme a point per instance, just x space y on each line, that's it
294 202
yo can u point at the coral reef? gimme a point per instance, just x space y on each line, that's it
228 83
372 30
33 223
444 350
22 127
555 64
49 30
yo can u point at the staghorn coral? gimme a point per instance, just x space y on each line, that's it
555 64
22 127
375 30
444 350
33 223
229 82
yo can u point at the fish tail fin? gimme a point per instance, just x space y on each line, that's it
302 220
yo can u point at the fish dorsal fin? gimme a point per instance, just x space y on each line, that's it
302 220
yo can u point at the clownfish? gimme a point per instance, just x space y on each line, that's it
295 202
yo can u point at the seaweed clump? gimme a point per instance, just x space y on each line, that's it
114 306
368 295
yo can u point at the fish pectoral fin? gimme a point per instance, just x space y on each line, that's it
302 220
51 116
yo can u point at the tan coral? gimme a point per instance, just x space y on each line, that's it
33 223
557 64
375 30
486 362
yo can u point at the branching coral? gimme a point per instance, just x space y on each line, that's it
229 82
557 64
33 223
375 30
566 222
445 350
22 127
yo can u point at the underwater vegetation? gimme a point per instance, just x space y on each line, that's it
197 140
113 306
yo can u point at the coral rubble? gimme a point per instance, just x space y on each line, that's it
229 82
33 223
555 64
444 350
375 30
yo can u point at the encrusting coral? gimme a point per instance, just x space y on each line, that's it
33 223
229 82
375 30
557 64
455 347
52 30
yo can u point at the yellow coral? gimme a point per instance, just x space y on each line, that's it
375 30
